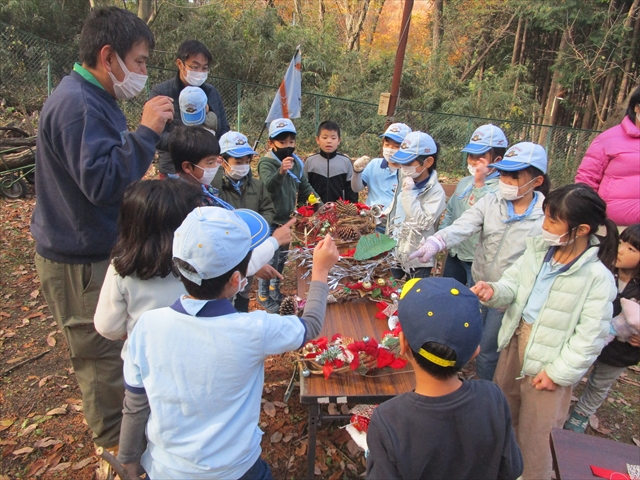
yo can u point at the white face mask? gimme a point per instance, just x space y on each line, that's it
131 85
242 285
410 171
238 171
207 175
510 192
553 239
472 169
388 152
195 79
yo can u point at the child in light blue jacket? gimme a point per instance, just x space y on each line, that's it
559 295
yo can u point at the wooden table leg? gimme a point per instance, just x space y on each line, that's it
314 417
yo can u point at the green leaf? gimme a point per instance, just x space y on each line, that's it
372 245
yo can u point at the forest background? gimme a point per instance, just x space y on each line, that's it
564 63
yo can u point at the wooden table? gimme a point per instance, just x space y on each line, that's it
354 319
574 453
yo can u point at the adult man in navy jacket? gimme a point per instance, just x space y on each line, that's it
85 159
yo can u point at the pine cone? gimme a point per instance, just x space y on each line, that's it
346 209
348 233
289 306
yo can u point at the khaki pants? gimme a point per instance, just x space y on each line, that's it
534 412
72 291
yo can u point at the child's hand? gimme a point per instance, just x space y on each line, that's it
408 184
268 272
325 256
283 233
428 248
483 291
287 164
543 382
634 340
360 163
482 170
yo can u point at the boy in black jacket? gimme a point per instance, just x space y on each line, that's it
447 427
330 172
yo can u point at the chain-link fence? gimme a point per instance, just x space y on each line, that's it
31 67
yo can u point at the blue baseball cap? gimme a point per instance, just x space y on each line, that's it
415 144
485 138
235 145
444 311
396 132
281 125
214 240
523 155
193 103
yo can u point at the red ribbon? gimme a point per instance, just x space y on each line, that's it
609 474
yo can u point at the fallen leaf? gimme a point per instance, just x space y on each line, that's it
68 438
7 450
8 442
604 431
344 409
35 466
316 470
336 475
54 459
51 341
594 422
636 441
5 314
15 360
353 448
28 430
61 410
23 451
6 423
83 463
46 442
34 294
301 450
44 380
276 437
287 438
270 409
332 409
60 467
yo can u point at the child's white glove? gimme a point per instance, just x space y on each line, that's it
360 163
428 248
408 184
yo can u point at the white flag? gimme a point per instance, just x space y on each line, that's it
288 100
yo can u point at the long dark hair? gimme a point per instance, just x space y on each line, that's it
579 204
151 211
633 101
631 235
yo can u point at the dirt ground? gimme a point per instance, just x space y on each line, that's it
42 429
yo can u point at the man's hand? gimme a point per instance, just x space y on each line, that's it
268 272
360 163
283 234
157 112
325 256
543 382
428 248
287 164
483 291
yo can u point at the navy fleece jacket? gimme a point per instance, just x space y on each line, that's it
85 158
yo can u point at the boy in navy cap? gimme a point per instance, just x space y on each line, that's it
447 427
195 371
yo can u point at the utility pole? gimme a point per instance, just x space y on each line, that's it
397 69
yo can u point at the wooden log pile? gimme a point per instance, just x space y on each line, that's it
17 147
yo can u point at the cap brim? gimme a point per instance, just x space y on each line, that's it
509 166
193 118
258 226
476 149
282 130
393 136
240 152
403 157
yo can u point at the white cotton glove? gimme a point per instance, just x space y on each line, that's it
211 121
428 248
360 163
408 184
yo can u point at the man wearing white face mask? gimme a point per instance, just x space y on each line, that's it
237 186
193 60
86 158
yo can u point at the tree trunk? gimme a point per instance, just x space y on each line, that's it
516 43
377 11
297 8
355 25
145 9
588 113
547 80
551 110
631 54
437 26
321 11
17 160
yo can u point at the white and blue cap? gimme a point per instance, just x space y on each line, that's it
214 240
193 103
485 138
523 155
415 144
396 132
235 145
281 125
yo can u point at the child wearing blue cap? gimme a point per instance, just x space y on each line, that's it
194 374
329 171
377 175
237 186
282 172
558 296
487 145
447 427
504 220
415 208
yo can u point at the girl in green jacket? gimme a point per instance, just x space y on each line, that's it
559 295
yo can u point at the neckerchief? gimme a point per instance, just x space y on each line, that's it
513 217
491 176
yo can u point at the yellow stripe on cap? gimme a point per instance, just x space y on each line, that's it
437 360
408 286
